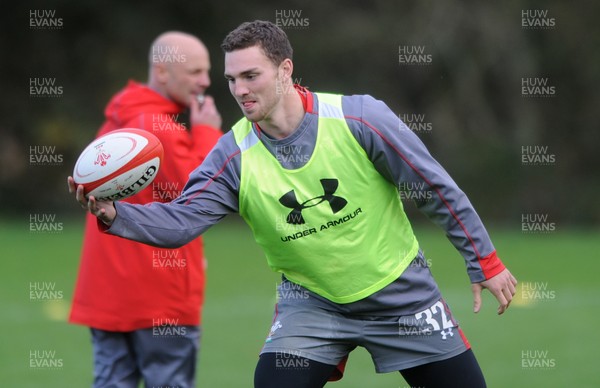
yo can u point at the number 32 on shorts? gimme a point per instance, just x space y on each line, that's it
439 310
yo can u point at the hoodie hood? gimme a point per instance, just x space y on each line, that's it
135 100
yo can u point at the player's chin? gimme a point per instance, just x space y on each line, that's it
253 118
252 115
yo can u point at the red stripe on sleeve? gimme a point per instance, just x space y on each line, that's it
462 226
212 179
491 265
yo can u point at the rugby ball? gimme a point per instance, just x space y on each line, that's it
118 164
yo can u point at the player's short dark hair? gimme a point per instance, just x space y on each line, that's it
272 39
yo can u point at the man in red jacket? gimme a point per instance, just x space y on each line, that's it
143 303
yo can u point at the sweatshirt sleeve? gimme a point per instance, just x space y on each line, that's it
210 194
400 156
184 150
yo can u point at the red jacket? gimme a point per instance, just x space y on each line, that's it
124 285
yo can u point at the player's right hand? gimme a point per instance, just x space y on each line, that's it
104 210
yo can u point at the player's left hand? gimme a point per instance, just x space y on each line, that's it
502 286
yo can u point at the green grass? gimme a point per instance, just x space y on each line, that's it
241 293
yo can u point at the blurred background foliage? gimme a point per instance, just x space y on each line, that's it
470 93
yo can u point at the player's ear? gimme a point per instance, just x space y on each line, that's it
161 72
286 68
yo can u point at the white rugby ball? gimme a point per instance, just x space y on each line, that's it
118 164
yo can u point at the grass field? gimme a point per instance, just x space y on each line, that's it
546 339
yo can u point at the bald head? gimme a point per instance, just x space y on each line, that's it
178 66
175 47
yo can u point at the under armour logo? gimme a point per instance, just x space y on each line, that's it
329 187
447 333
